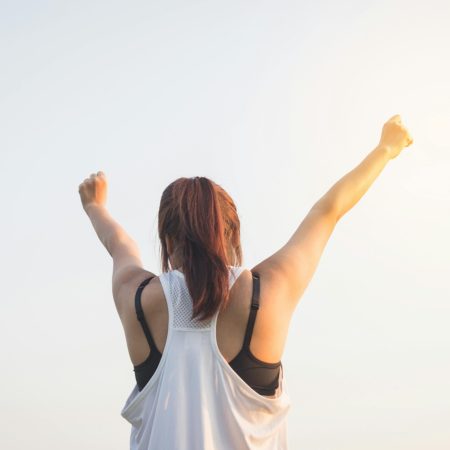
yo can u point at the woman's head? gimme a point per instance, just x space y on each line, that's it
199 230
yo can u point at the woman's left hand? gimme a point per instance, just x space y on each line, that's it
93 190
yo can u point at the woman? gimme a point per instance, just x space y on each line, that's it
206 336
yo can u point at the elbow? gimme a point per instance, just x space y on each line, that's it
329 207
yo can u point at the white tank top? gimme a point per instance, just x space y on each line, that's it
195 400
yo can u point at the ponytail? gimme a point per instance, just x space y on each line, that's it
202 218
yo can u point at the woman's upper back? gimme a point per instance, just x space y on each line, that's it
269 332
194 390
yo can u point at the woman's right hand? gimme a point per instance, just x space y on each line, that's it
395 136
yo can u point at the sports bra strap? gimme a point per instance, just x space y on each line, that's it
254 308
140 312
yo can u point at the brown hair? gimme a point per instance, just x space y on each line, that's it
201 219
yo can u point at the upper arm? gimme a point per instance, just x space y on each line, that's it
128 272
292 267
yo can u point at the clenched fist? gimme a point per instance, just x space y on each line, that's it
93 190
395 136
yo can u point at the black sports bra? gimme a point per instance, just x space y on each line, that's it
259 375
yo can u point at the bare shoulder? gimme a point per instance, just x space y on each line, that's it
149 295
274 286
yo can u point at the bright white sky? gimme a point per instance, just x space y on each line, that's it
275 101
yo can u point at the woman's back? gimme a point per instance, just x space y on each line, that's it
269 333
194 390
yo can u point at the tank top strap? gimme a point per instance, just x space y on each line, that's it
140 313
254 309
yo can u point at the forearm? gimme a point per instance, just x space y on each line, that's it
346 192
108 230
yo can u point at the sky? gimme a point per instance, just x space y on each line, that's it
274 101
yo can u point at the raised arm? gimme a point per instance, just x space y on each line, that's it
344 194
128 269
292 267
